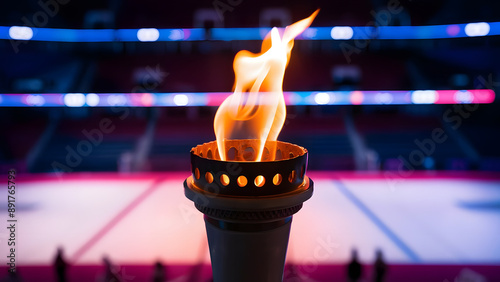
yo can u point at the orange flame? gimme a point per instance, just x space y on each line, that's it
256 109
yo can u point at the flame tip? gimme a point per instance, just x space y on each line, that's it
256 109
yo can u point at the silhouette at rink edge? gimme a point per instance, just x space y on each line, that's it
60 266
159 273
379 267
110 271
354 269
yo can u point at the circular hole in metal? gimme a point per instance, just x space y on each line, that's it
277 179
242 181
197 173
266 155
209 177
291 155
249 154
292 176
224 179
279 156
231 154
259 181
209 154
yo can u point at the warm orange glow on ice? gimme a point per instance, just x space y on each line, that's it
256 109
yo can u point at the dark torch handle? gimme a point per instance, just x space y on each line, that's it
248 251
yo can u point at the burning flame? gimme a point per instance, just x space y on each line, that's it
256 109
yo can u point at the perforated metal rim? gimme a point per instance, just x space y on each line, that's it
248 178
236 203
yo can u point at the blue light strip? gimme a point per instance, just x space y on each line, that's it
293 98
229 34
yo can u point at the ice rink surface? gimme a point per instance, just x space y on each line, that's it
138 219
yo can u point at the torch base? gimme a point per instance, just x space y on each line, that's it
248 251
248 235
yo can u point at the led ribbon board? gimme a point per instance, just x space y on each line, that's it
292 98
229 34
